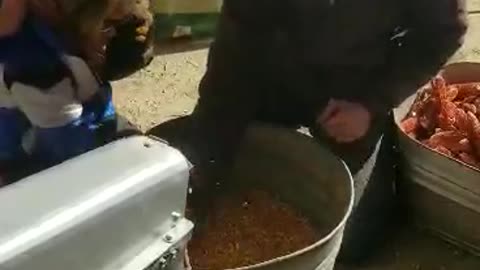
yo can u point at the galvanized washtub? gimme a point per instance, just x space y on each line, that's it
305 175
443 194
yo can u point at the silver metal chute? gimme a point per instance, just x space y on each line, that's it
108 209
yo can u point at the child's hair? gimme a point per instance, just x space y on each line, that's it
81 24
84 16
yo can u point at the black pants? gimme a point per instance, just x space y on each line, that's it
376 207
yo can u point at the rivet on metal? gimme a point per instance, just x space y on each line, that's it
162 263
168 238
176 216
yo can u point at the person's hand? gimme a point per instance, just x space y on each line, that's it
345 121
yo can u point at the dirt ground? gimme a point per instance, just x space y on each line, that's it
168 89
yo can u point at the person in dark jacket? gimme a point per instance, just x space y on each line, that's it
335 66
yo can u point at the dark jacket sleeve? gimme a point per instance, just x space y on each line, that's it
229 93
434 30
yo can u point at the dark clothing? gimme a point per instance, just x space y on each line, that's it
281 61
284 60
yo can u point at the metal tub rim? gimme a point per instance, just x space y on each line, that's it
333 232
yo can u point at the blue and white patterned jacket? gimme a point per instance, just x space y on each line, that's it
52 107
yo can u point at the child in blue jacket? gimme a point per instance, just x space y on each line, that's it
53 104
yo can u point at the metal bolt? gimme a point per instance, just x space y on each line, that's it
147 145
168 238
162 263
174 253
176 216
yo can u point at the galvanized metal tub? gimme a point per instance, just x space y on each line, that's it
307 176
443 194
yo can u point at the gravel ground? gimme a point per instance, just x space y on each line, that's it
168 88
